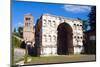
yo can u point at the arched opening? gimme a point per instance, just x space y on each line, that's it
23 45
64 39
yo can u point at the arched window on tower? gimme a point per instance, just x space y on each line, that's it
28 24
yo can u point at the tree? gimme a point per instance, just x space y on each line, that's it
85 25
92 18
20 31
14 29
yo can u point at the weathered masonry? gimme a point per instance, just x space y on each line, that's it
57 35
28 30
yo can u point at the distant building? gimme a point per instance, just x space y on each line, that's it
28 30
57 35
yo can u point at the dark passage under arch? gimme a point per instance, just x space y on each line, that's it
64 39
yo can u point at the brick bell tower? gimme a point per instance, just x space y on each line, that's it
28 30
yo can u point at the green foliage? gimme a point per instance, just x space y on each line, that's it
90 48
20 32
85 25
12 55
15 42
14 29
16 33
92 18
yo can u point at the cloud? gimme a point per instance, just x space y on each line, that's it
20 24
76 8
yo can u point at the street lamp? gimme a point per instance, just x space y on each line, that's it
26 51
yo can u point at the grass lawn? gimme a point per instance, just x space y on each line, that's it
61 59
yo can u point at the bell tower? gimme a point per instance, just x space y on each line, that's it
28 30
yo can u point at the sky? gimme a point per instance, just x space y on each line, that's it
19 9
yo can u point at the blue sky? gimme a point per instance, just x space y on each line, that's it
19 9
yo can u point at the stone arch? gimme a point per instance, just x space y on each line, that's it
23 44
64 39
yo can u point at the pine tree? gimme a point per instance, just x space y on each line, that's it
20 31
92 18
14 29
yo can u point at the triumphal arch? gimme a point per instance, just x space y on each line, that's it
57 35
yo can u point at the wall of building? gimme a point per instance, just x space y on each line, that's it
49 27
28 30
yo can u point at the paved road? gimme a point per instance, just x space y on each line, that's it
18 53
